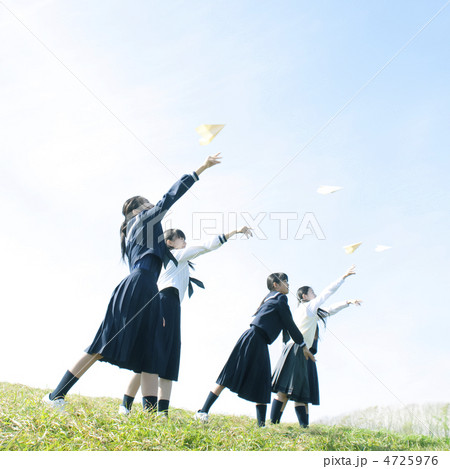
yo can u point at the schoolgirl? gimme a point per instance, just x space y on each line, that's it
295 378
127 335
173 283
247 371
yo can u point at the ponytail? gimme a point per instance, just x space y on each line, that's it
271 279
128 207
123 234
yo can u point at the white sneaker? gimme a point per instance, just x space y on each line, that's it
123 410
202 416
57 404
162 416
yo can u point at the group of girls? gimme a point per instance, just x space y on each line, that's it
141 329
247 371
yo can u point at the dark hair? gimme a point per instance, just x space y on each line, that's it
320 312
276 278
172 234
130 204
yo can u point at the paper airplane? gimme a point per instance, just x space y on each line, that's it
352 248
381 248
328 189
208 132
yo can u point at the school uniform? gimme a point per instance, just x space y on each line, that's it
294 375
173 283
128 334
247 371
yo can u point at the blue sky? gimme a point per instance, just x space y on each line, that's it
275 74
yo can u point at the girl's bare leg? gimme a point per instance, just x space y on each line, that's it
134 385
212 397
72 375
83 364
218 389
165 389
296 404
149 384
282 398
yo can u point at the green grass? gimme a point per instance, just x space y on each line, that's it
425 419
94 424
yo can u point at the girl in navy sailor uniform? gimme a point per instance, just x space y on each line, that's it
295 378
173 282
247 371
133 320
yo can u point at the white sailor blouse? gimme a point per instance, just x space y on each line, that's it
177 276
306 317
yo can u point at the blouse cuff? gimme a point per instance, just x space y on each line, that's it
195 176
222 239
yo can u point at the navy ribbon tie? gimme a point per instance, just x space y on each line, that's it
197 282
193 280
168 256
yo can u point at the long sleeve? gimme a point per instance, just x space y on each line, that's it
288 322
170 197
336 307
192 252
311 306
144 231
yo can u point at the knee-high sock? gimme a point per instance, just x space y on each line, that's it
149 403
261 410
275 411
209 402
163 405
68 380
127 401
302 415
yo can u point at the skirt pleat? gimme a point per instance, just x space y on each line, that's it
291 374
171 334
247 371
129 334
313 378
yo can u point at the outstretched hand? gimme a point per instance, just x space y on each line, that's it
308 355
354 302
350 271
246 231
209 162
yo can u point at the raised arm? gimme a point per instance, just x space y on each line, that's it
191 252
311 306
336 307
182 186
244 230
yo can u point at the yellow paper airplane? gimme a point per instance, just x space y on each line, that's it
328 189
208 132
352 248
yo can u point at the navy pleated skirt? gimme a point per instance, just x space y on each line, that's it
171 333
129 334
313 378
247 371
291 374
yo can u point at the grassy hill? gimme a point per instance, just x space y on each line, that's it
94 424
425 419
